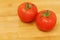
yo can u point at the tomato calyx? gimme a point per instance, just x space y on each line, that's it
46 14
28 6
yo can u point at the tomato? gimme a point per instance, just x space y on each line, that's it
27 12
46 20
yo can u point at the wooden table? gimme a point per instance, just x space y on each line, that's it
12 28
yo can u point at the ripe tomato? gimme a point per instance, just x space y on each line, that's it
46 20
27 12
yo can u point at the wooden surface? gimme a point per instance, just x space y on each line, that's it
12 28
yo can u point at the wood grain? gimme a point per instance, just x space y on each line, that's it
12 28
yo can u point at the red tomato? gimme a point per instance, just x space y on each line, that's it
27 12
46 20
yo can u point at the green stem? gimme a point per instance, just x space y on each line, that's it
46 14
28 6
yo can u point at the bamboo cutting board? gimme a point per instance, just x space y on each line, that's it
12 28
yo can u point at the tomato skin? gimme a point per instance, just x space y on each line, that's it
27 15
46 23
